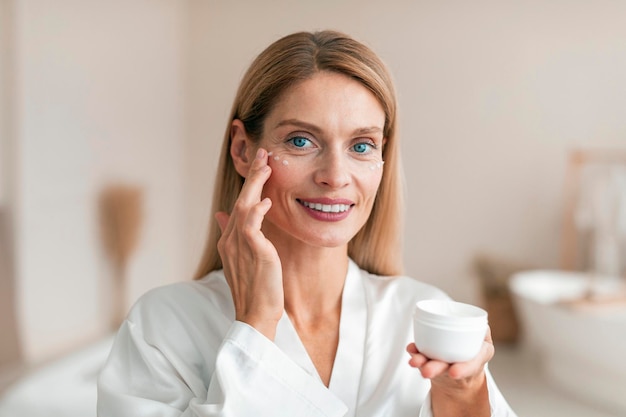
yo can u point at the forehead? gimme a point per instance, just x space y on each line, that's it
330 100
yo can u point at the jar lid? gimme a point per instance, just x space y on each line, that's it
450 313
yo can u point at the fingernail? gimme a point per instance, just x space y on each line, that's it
259 153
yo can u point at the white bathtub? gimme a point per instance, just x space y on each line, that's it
63 388
581 350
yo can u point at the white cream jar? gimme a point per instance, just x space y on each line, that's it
449 331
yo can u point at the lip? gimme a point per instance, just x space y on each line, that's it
326 216
326 200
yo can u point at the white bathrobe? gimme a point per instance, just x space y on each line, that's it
180 352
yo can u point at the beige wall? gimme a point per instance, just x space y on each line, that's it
492 96
5 65
100 97
10 351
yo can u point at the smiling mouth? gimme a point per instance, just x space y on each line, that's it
326 208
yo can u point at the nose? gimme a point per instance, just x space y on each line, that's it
333 170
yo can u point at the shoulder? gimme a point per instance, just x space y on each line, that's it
176 328
184 301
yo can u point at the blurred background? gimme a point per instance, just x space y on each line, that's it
112 114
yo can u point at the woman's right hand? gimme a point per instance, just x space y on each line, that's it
251 263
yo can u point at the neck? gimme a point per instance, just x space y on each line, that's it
313 280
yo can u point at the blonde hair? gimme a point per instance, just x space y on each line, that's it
377 247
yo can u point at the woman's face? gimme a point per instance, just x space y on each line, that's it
325 139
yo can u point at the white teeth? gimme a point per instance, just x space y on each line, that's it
327 208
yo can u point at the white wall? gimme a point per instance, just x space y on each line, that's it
100 97
492 96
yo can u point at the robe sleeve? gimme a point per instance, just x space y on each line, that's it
499 406
252 377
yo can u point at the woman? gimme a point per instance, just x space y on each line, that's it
298 307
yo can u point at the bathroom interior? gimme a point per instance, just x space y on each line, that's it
514 150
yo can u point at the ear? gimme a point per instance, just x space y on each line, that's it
240 147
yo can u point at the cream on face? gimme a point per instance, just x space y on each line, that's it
325 140
285 162
361 153
277 158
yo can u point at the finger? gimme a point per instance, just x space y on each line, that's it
222 220
255 217
417 360
475 366
226 223
257 176
488 335
433 368
465 369
412 348
251 229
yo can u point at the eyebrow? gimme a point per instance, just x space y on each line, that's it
315 129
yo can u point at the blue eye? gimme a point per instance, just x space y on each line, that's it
300 142
362 147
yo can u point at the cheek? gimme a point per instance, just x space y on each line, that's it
370 183
370 175
374 184
285 176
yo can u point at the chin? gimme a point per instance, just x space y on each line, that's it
328 240
317 234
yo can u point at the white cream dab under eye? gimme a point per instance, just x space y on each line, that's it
377 165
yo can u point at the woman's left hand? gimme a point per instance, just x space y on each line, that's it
464 381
